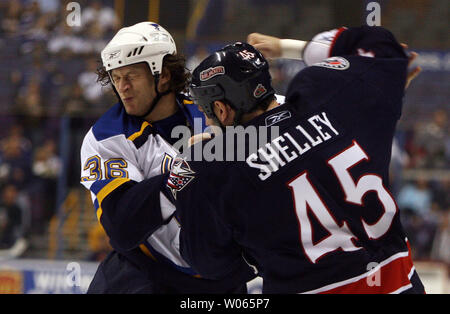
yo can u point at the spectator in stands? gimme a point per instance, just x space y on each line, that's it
94 38
65 41
4 5
30 14
36 69
39 30
10 24
200 53
416 197
92 90
441 243
399 160
282 72
104 15
420 233
49 6
10 216
74 102
47 166
16 131
15 166
432 136
420 216
29 99
441 191
30 104
46 163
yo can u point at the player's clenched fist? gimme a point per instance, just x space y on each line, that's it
269 46
273 47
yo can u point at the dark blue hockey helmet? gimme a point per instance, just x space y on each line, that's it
237 74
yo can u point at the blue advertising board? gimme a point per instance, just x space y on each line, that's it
26 276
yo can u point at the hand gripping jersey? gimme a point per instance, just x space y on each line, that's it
311 209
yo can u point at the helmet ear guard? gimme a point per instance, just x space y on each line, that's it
205 96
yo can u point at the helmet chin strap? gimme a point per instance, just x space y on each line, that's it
156 99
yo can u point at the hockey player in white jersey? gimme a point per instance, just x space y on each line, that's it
128 146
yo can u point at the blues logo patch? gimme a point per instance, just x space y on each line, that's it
156 26
180 176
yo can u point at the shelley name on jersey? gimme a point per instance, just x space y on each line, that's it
311 133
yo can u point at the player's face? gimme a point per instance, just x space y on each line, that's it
135 85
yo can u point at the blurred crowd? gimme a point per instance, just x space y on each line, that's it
49 89
48 73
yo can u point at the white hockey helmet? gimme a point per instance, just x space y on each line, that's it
143 42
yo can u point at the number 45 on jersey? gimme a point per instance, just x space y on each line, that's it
340 237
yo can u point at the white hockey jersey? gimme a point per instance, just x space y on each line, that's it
118 152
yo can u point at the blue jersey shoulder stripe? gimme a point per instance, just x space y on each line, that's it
115 122
191 112
96 205
97 186
103 188
146 130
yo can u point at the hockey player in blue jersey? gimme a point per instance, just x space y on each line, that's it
126 147
310 209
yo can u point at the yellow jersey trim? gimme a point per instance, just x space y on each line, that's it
106 190
134 136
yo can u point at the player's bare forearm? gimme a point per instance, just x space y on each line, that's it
269 46
273 47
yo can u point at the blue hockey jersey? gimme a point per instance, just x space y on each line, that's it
310 209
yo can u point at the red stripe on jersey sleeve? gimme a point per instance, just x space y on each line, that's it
339 32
